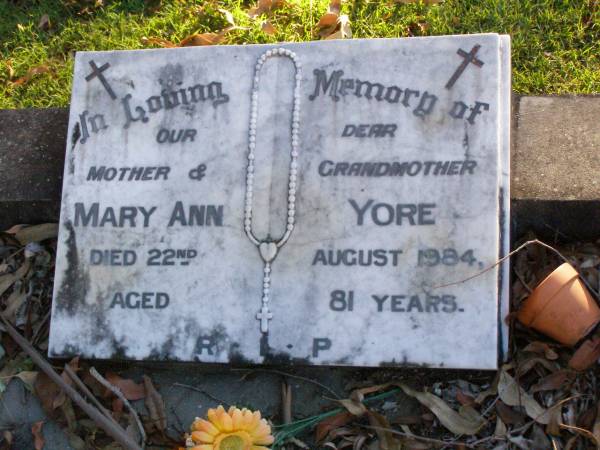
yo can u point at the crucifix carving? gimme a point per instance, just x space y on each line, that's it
467 58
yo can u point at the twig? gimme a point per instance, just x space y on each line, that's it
115 390
116 432
414 436
202 391
80 384
518 249
520 277
298 377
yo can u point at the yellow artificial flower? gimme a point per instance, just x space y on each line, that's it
236 429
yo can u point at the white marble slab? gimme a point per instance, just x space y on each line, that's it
402 185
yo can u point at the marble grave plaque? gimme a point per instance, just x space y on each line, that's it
308 203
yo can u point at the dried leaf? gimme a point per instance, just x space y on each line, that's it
553 381
539 438
13 303
344 31
354 407
204 38
36 430
543 349
596 428
426 2
465 399
30 74
268 27
155 405
129 388
8 279
328 20
387 441
62 397
452 420
331 423
10 69
500 430
228 16
264 7
159 42
37 233
587 418
28 378
508 415
44 23
514 395
553 427
586 355
529 361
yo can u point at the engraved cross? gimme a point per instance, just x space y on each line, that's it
468 58
97 72
264 316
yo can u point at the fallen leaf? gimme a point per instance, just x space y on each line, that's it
264 7
330 423
586 355
328 20
553 381
129 388
335 6
500 430
541 348
62 397
387 441
465 399
44 23
13 303
354 407
159 42
155 405
596 427
228 16
28 378
10 69
36 430
508 415
528 361
30 74
553 427
452 420
514 395
8 279
268 27
343 30
204 39
426 2
37 233
587 418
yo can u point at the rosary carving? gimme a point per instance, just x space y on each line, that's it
268 248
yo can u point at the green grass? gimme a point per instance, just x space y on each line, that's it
556 43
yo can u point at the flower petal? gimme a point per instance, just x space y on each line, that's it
256 447
202 437
237 419
213 416
205 425
263 440
226 421
203 447
263 429
247 420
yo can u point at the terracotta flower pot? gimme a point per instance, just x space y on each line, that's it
561 307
